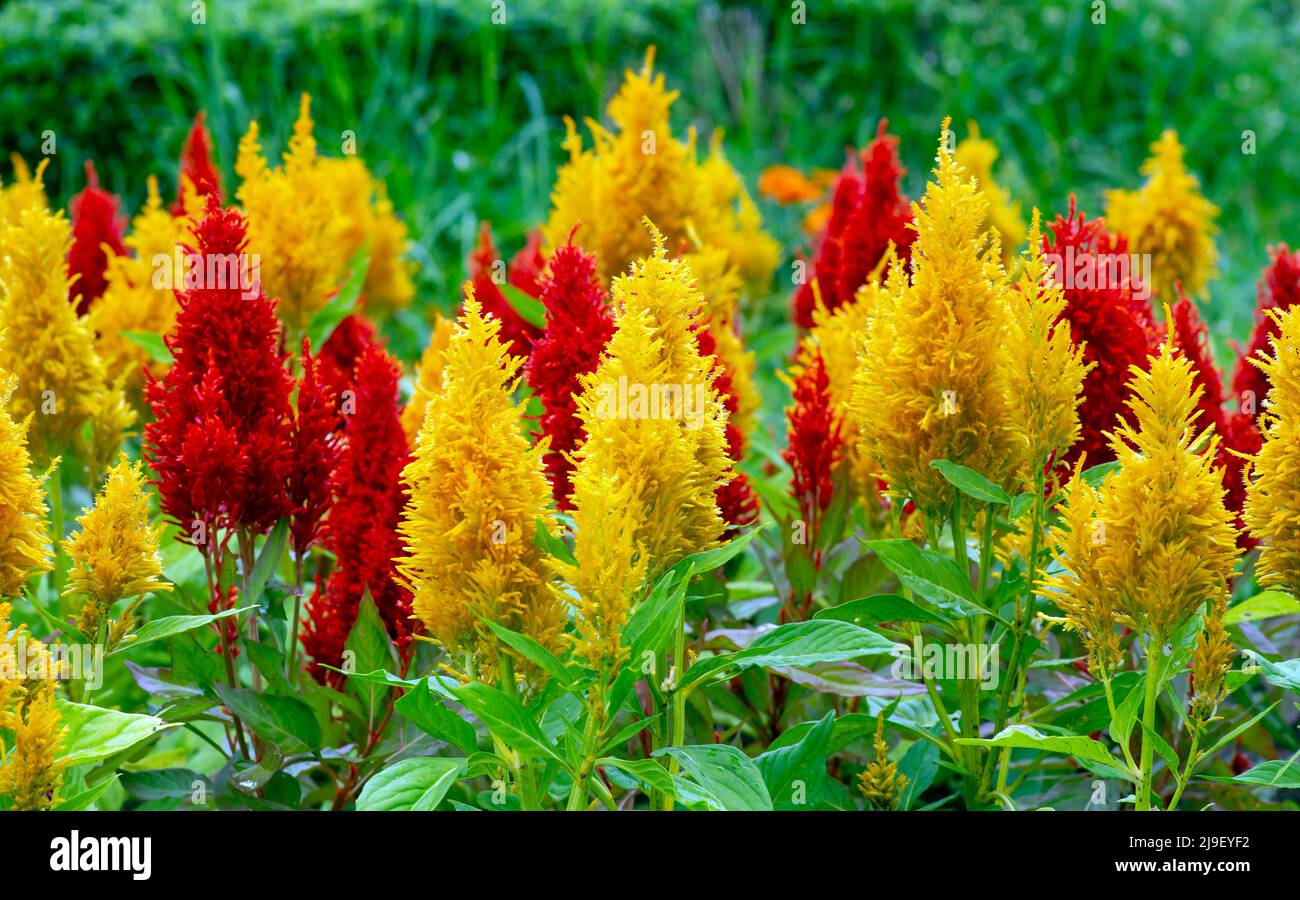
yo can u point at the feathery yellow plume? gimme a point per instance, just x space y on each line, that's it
24 542
1047 370
26 192
428 376
977 155
655 452
115 554
32 774
477 491
60 376
932 380
639 169
881 782
1170 219
1273 483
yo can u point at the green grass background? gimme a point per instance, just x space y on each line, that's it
462 117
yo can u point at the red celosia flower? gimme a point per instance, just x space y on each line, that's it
815 441
219 445
578 325
486 269
526 266
96 222
867 212
347 343
361 530
736 499
197 165
1279 289
314 449
1111 319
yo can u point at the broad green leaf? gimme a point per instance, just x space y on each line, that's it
415 785
655 620
280 720
793 772
368 649
920 764
553 545
1028 738
534 652
707 560
85 799
1095 475
724 774
152 343
343 303
1285 674
881 608
507 719
268 560
648 772
163 784
798 644
1266 605
170 626
971 483
94 734
530 309
1275 773
430 714
929 573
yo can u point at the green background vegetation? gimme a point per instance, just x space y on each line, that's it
463 118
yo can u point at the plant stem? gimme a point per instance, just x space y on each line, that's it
1187 770
1149 721
291 652
677 734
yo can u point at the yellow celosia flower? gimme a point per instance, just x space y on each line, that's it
32 774
977 155
428 376
310 217
881 782
720 283
1155 542
24 542
26 192
1169 219
639 169
60 376
932 379
1047 372
655 452
1273 483
115 554
131 302
477 491
1210 663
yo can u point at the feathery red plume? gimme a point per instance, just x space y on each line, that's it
96 221
736 499
314 447
197 165
361 530
350 339
1113 321
484 267
526 266
815 442
219 444
867 212
578 325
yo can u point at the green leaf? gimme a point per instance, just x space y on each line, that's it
1285 674
534 652
707 560
1265 605
881 608
280 720
1232 735
971 483
649 773
553 545
931 574
152 343
656 618
85 799
415 785
431 715
267 561
726 777
343 303
170 626
797 644
1094 476
793 772
529 308
370 649
1275 773
162 784
507 719
95 734
1028 738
